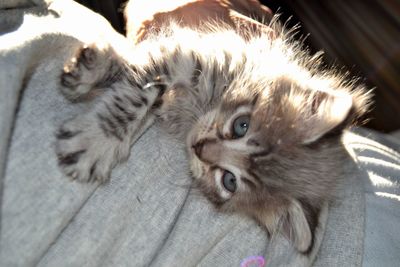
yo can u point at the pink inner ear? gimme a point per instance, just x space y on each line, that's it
316 101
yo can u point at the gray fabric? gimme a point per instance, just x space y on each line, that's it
382 190
146 215
344 237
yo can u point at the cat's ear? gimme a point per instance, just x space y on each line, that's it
326 112
299 226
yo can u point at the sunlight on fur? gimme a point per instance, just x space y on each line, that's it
261 118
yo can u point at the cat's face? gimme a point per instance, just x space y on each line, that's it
222 147
261 151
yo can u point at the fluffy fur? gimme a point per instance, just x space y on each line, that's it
196 83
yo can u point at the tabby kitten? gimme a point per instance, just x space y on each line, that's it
262 121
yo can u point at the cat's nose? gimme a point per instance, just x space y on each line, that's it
207 150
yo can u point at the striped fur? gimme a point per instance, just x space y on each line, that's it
196 83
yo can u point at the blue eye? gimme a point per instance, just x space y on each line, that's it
229 181
240 126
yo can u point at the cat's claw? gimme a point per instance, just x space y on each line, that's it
84 153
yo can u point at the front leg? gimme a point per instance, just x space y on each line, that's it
90 145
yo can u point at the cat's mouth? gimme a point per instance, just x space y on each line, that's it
196 167
193 145
196 149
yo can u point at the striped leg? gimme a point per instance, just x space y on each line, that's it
90 145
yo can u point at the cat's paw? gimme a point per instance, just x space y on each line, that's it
85 154
84 70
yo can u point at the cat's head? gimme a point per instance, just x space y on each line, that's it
274 153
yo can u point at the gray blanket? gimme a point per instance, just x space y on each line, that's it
146 215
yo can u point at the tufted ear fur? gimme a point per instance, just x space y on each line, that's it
317 107
326 111
299 225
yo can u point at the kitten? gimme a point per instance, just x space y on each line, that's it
262 121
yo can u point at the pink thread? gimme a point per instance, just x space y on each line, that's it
253 261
